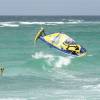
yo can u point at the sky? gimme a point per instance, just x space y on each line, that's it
49 7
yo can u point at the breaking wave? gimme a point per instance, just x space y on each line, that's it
19 23
74 21
13 98
8 24
41 23
92 87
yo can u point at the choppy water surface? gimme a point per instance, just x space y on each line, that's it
40 72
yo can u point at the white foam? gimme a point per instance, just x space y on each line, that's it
52 23
74 21
41 23
26 23
47 57
56 61
13 99
92 87
17 23
62 61
9 24
39 55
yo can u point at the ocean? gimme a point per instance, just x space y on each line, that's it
43 73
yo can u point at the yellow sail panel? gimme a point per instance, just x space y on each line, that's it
56 39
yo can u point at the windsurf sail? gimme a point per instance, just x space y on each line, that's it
61 42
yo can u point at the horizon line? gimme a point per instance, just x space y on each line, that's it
49 15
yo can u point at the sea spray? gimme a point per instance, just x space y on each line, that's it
56 61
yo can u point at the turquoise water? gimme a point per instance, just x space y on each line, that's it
40 72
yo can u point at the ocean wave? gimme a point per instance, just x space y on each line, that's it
41 23
18 23
8 24
56 61
1 26
57 23
26 23
92 87
13 99
62 61
75 21
52 23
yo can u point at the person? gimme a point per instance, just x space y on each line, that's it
1 70
70 41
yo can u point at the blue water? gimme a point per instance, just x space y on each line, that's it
40 72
